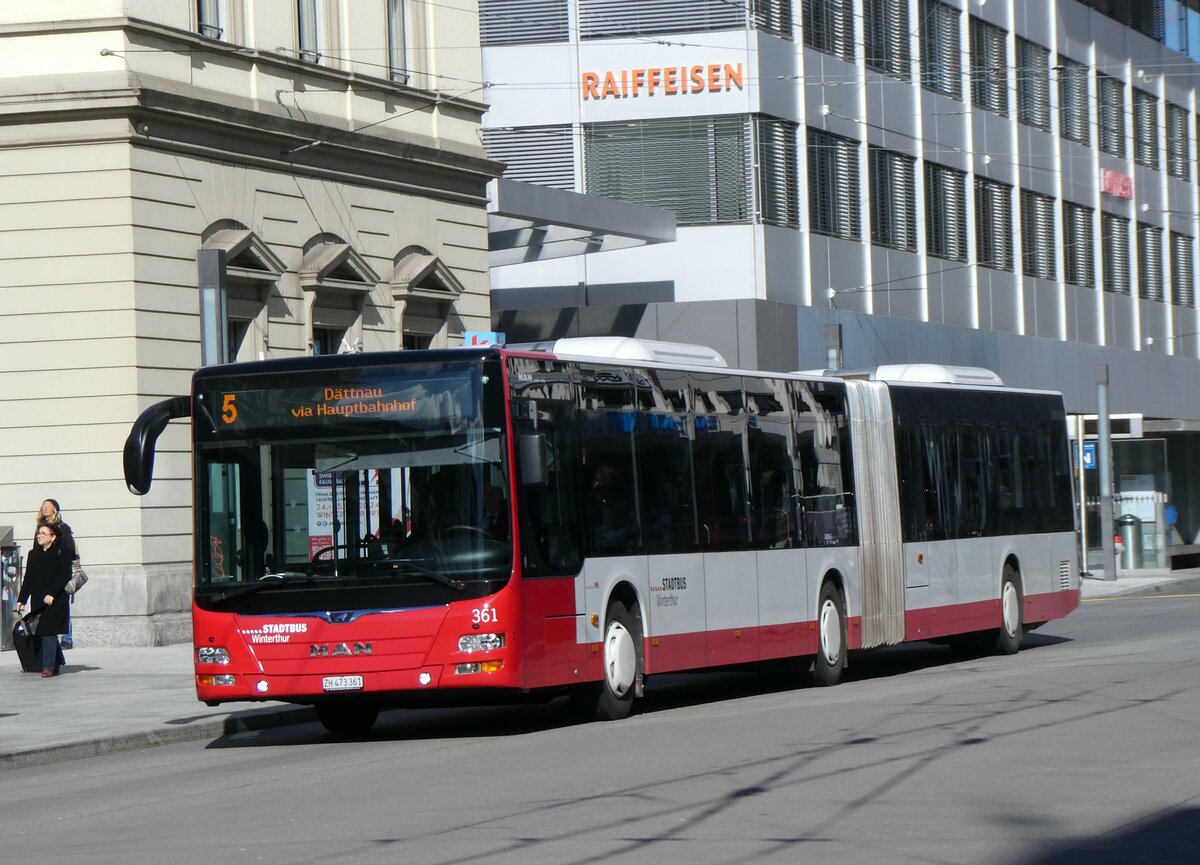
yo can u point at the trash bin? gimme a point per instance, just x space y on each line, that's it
1129 527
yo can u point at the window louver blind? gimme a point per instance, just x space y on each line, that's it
1150 262
772 16
886 45
544 155
893 199
603 19
946 212
698 167
833 188
1078 251
993 224
829 26
520 22
989 67
1183 290
1037 235
1033 84
778 172
1073 103
1114 252
941 49
1145 129
1179 148
1111 95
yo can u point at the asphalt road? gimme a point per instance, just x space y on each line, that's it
1081 749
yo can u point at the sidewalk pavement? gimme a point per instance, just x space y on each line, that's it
117 699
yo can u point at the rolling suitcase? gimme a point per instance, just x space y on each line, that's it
28 649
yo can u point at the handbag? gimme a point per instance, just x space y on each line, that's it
78 578
31 623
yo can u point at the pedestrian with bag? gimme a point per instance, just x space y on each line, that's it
43 595
50 514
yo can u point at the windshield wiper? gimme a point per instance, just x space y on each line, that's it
437 577
267 581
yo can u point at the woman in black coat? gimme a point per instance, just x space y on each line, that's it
47 573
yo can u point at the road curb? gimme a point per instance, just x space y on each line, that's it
239 722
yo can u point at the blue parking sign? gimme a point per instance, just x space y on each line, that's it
1089 456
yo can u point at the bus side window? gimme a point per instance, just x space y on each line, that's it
548 513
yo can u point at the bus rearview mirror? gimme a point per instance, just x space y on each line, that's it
531 457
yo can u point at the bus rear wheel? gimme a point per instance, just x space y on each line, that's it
347 719
831 637
612 698
1012 603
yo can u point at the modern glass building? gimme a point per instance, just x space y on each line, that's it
1000 183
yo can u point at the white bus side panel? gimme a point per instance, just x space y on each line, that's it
731 592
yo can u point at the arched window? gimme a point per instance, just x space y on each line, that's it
251 272
337 282
425 292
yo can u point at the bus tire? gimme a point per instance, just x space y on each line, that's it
831 637
347 719
1012 603
612 698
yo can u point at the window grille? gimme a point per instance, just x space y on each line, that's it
1183 290
829 26
993 224
544 155
1037 235
1078 250
520 22
1114 252
778 172
210 18
698 167
1033 84
1073 103
833 188
989 67
1179 148
946 212
941 51
772 16
886 45
893 199
1111 95
1145 128
1150 262
1145 16
604 19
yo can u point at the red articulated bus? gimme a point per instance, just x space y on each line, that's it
475 524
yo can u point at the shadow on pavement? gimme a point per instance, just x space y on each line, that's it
664 692
1171 838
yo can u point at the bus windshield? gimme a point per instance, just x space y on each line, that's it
370 487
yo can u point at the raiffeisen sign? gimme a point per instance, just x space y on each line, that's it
653 81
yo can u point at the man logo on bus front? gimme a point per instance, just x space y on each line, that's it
338 650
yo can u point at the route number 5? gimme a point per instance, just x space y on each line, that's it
229 408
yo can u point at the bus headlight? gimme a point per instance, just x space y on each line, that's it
212 655
480 642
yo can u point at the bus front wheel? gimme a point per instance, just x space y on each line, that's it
347 719
831 636
612 698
